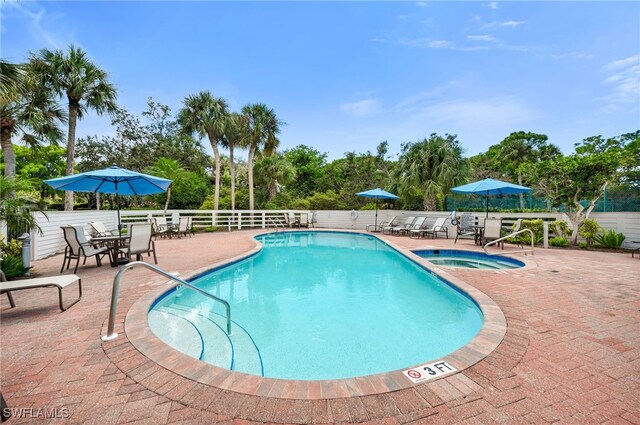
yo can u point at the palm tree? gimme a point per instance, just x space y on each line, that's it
262 127
14 210
206 115
235 134
430 167
26 108
274 172
169 169
86 87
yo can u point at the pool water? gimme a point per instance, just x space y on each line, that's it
468 259
319 305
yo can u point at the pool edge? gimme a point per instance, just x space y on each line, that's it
140 336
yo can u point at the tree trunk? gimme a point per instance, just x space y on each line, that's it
166 204
74 107
216 156
7 147
430 203
252 151
232 170
522 194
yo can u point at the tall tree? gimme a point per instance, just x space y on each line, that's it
86 87
235 135
568 180
169 169
262 127
309 164
274 172
430 167
27 109
206 115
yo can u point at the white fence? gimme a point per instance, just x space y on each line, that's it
52 242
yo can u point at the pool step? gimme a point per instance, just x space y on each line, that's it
235 352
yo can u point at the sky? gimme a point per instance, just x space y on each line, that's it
345 76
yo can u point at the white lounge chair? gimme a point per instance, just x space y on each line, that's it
407 224
101 230
416 226
440 226
59 282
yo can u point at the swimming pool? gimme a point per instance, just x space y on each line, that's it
468 259
319 305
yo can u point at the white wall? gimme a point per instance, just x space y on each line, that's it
51 241
627 223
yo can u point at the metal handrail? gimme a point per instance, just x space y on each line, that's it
116 286
276 223
495 241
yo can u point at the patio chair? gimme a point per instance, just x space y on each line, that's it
465 228
79 246
183 227
291 220
417 224
304 220
492 231
407 224
440 226
159 227
101 230
140 242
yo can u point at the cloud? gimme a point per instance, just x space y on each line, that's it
362 108
422 4
623 86
581 55
510 23
482 38
48 30
492 5
623 63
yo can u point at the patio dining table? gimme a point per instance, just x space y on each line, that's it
114 243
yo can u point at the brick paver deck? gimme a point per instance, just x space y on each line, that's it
571 352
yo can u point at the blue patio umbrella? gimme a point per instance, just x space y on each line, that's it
377 193
488 187
115 180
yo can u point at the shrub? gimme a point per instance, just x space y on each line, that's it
211 229
609 239
536 227
13 266
560 228
583 245
558 241
13 248
588 229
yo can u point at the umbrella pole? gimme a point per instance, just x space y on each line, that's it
487 207
375 226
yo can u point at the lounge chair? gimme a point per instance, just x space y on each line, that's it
379 226
440 226
492 231
140 242
407 224
416 226
59 282
465 228
388 225
79 246
101 230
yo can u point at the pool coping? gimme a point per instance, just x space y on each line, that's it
140 336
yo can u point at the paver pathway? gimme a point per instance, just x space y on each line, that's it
571 353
